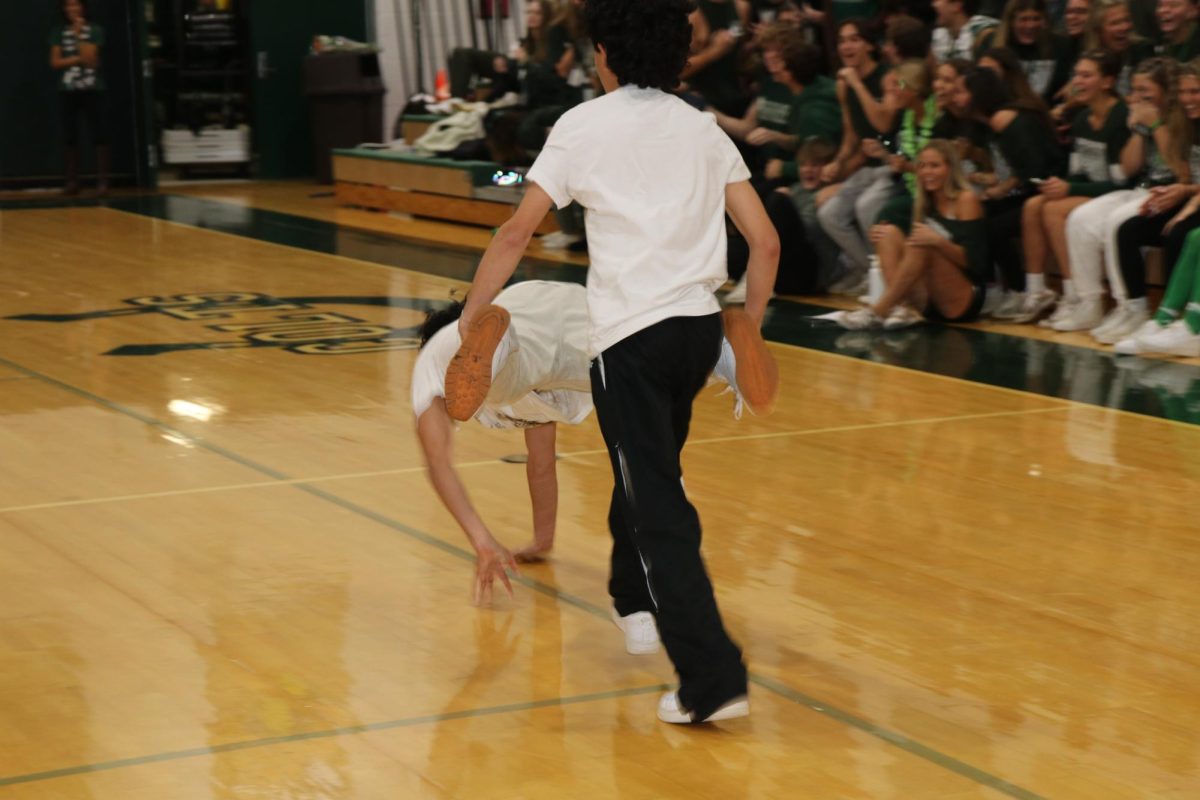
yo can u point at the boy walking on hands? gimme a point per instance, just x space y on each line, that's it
656 178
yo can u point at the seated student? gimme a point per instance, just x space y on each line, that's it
1099 133
1180 32
941 269
808 258
467 65
961 31
1042 54
795 100
1024 150
1167 216
712 71
969 135
1110 27
1175 327
538 378
909 92
847 216
1074 26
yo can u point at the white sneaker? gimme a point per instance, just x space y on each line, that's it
669 710
559 240
860 319
726 372
1131 345
1066 307
737 295
1176 339
1036 304
1011 307
1085 316
902 317
641 634
1113 319
1132 321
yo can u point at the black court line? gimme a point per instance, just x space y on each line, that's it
894 738
409 722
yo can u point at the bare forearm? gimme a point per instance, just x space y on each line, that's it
762 267
497 266
955 253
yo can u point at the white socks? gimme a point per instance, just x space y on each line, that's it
1035 282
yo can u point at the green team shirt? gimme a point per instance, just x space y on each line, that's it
858 118
1186 50
78 78
971 235
1027 147
1095 163
814 112
1049 69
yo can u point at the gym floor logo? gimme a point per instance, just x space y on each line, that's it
293 324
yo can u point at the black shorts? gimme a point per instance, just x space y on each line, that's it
978 295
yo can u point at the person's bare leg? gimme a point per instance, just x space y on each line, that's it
902 281
947 285
1033 235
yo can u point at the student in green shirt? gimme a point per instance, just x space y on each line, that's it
75 52
1099 133
941 269
1180 31
795 100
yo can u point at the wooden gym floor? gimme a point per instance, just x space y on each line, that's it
962 563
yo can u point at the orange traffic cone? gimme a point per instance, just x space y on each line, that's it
441 86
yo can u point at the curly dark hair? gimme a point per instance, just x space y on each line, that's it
438 318
646 41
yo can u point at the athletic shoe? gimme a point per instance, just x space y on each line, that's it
1036 304
860 319
756 376
1131 321
469 376
559 240
669 710
1131 345
902 317
1113 318
1064 309
1087 314
1011 307
1176 339
737 295
641 633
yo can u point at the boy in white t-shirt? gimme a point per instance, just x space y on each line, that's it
656 178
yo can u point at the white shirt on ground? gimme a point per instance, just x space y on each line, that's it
540 370
651 173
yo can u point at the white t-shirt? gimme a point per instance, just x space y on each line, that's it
540 370
651 173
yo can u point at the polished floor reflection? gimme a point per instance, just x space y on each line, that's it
961 564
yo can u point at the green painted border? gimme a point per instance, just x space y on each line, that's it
1150 387
893 738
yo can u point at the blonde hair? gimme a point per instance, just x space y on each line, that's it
956 183
1093 34
914 74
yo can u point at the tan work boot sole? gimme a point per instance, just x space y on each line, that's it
757 373
469 376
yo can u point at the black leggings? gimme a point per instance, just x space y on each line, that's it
1138 232
81 106
799 262
1003 219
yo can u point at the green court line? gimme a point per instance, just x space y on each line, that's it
409 722
898 740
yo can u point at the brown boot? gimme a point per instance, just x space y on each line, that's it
469 376
103 162
71 170
757 373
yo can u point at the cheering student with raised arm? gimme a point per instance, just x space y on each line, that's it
656 178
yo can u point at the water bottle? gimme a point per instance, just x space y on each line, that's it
875 283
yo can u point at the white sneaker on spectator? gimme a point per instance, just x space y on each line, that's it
1064 309
1176 339
1011 307
853 283
1036 304
860 319
737 295
641 633
1131 345
902 317
1133 320
669 710
559 240
1087 314
1113 318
